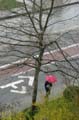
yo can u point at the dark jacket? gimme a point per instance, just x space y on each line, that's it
48 86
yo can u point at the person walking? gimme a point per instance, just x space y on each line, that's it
50 79
48 86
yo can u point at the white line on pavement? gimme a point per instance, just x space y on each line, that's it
74 56
31 79
63 48
22 60
7 65
23 91
12 84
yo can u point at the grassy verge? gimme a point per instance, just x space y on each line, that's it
9 4
59 109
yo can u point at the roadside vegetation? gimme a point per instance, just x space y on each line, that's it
64 108
9 4
59 109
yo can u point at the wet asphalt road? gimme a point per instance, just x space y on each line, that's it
22 95
23 100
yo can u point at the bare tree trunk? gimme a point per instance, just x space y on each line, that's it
37 71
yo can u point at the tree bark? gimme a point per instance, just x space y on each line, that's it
37 71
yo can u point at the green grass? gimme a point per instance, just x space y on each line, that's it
9 4
58 109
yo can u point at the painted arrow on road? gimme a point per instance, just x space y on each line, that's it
12 84
23 91
31 79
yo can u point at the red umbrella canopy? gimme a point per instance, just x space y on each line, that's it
51 78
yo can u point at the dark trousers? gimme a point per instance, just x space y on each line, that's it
48 87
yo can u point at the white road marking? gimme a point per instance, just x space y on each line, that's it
4 66
63 48
74 56
22 60
22 72
31 79
18 74
12 84
23 91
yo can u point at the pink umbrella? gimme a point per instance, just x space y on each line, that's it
51 78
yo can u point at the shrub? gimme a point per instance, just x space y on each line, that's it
71 93
59 109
